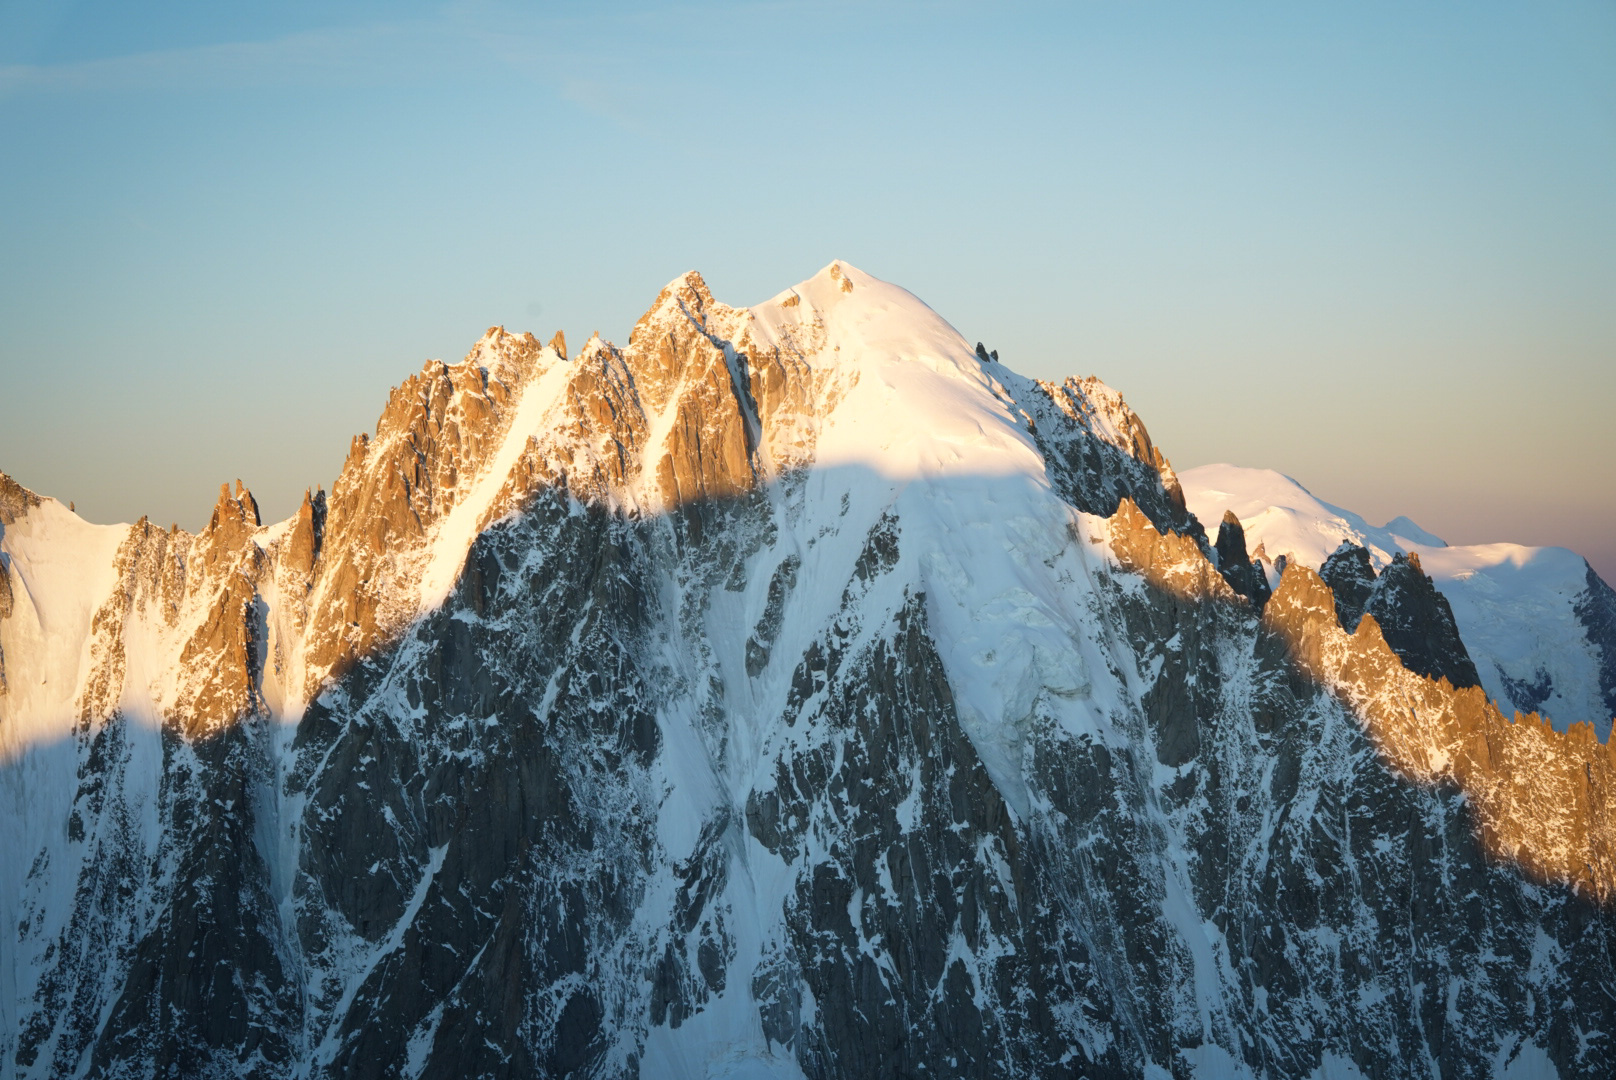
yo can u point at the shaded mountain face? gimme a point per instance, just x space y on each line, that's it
1595 607
794 691
1418 623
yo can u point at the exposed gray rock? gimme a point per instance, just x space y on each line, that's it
1596 608
1351 577
1244 574
1418 623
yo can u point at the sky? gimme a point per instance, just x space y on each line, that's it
1372 246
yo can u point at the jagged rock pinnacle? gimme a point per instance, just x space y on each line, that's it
1418 623
1244 574
1351 578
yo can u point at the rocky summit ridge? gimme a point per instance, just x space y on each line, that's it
794 690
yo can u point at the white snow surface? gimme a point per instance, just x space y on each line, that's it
1287 519
1513 603
62 570
922 429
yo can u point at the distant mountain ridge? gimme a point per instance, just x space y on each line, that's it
793 691
1533 619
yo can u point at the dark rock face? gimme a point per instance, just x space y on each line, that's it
1418 623
1528 694
185 1006
1312 913
507 851
891 742
1596 608
6 604
1351 578
171 959
1244 574
1098 452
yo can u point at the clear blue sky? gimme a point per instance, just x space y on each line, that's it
1372 246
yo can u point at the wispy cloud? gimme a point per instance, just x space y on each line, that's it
641 67
374 53
459 46
577 51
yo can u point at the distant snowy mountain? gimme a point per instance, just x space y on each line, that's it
1539 624
793 691
1281 515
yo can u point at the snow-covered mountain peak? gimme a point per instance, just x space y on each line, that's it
906 394
1287 519
1404 526
863 316
793 691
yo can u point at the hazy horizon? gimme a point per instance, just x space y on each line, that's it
1374 250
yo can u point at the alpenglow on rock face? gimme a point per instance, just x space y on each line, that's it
794 691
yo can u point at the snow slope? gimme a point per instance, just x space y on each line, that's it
1287 519
62 570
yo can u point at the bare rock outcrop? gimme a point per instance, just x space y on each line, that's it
1418 622
1098 452
308 531
682 415
680 364
1543 799
229 531
1170 561
1351 577
438 431
15 500
1244 575
225 660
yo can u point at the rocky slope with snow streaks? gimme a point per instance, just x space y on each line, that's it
794 690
